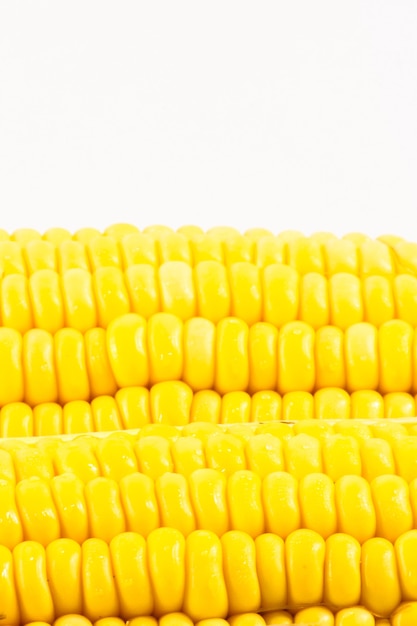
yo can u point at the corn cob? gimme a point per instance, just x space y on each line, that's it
172 572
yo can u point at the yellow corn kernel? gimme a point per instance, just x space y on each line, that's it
225 453
187 454
166 431
110 294
281 505
176 289
381 592
78 298
15 305
84 235
11 530
138 248
47 419
170 403
314 300
263 357
165 339
377 458
77 457
304 558
329 357
77 417
238 249
130 568
209 502
280 286
388 430
297 405
127 350
357 238
12 261
277 617
405 457
137 494
355 509
378 300
103 252
134 408
199 353
317 504
63 567
11 370
342 575
69 499
9 601
16 420
366 404
246 292
266 406
375 258
239 565
173 247
345 300
120 230
30 461
142 287
314 428
270 564
46 299
71 370
109 621
206 407
34 595
116 457
395 356
212 291
399 404
269 250
341 456
105 414
392 506
361 357
305 255
172 493
341 256
242 430
56 235
157 230
355 616
332 403
166 563
405 615
143 621
264 455
39 367
235 408
154 456
37 511
100 597
24 235
314 615
405 293
204 561
405 546
245 503
303 455
190 231
246 619
296 363
206 248
39 255
100 374
232 359
72 255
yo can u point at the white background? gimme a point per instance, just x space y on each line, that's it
282 115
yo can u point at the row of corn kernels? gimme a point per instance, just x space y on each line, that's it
323 253
40 510
39 367
276 295
370 451
405 615
97 579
